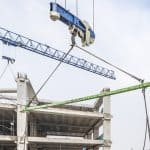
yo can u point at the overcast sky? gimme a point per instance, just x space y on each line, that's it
122 30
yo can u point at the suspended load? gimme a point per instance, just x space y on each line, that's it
76 26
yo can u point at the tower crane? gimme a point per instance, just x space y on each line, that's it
13 39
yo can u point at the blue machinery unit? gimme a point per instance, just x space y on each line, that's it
17 40
81 27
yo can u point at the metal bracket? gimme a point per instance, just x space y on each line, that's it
107 116
107 143
9 60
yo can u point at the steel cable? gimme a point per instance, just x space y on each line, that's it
146 111
93 14
77 8
51 74
2 74
65 4
12 72
116 67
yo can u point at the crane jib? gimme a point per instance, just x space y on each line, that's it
17 40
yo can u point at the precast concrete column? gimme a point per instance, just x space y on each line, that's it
22 99
107 121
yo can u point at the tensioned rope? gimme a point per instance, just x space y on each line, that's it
77 9
146 111
3 72
132 76
93 15
145 135
50 76
65 4
103 60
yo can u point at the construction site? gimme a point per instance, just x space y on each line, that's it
67 127
30 122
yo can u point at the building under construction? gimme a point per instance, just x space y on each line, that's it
31 123
67 127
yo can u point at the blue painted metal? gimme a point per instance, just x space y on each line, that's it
17 40
11 60
68 18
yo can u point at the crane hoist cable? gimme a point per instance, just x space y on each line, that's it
77 9
146 111
65 4
116 67
52 73
3 72
9 61
93 15
12 72
145 135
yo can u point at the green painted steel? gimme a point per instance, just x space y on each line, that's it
103 94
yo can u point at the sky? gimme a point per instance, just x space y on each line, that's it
122 31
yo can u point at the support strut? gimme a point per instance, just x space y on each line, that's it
103 94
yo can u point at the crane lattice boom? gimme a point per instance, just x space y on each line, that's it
17 40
